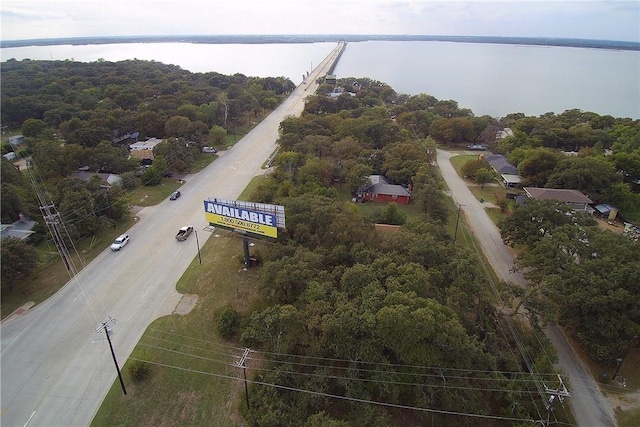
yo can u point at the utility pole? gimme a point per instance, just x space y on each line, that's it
455 234
198 243
557 394
241 364
620 360
107 330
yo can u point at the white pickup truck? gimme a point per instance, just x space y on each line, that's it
184 232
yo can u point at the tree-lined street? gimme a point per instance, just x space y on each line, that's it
587 402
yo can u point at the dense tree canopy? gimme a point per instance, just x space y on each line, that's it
338 290
590 274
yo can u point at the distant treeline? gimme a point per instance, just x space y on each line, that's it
285 38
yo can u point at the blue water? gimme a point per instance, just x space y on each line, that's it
489 79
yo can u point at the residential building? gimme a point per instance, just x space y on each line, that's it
380 189
573 198
144 149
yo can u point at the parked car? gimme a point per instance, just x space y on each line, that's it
184 232
120 241
174 195
209 150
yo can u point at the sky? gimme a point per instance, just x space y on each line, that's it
583 19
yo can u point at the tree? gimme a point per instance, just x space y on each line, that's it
18 261
623 198
484 176
534 220
150 123
218 136
470 168
34 127
153 175
107 158
426 194
76 207
628 164
402 161
591 275
392 215
177 126
11 203
453 130
49 158
89 136
591 175
538 165
358 176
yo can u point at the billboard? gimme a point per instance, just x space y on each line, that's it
262 220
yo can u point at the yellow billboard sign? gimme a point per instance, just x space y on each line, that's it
242 219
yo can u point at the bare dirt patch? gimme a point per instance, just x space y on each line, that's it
186 304
626 401
613 226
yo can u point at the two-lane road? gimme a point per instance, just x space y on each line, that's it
588 404
55 369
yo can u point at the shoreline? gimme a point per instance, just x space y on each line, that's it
299 39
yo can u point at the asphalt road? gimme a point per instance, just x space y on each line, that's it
55 369
589 406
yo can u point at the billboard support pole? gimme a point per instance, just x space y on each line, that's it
245 244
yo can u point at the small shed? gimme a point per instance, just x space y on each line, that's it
607 211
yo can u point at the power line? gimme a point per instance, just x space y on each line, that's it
393 405
510 376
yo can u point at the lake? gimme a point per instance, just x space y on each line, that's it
489 79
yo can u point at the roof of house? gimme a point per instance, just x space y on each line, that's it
513 179
20 229
562 195
501 165
145 145
390 189
605 208
109 178
381 185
